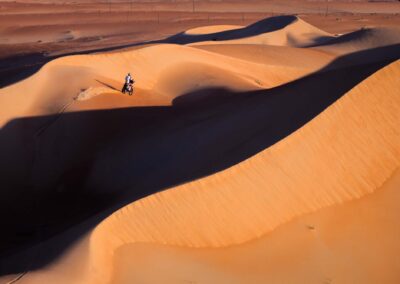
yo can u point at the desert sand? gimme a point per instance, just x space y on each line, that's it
255 150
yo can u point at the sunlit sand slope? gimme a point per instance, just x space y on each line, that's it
273 55
354 242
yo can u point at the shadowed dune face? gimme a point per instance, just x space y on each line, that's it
241 145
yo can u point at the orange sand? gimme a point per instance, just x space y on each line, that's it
320 205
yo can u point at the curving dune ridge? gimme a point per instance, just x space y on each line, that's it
237 160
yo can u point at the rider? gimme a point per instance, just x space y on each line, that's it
128 82
128 78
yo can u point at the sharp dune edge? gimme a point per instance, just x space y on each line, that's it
212 29
350 151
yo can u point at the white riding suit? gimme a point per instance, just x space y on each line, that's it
128 79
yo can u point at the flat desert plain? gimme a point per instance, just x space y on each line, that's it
261 143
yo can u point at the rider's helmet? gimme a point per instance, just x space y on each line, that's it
129 74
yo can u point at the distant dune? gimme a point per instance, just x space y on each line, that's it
281 30
268 153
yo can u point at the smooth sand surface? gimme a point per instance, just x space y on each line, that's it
247 154
333 245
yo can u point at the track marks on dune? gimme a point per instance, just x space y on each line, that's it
56 117
16 279
92 92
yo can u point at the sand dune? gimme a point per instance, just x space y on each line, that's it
61 81
231 163
280 31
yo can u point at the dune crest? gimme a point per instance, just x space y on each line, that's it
212 29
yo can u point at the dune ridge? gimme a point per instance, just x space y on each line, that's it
212 29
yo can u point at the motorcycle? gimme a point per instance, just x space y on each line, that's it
128 88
